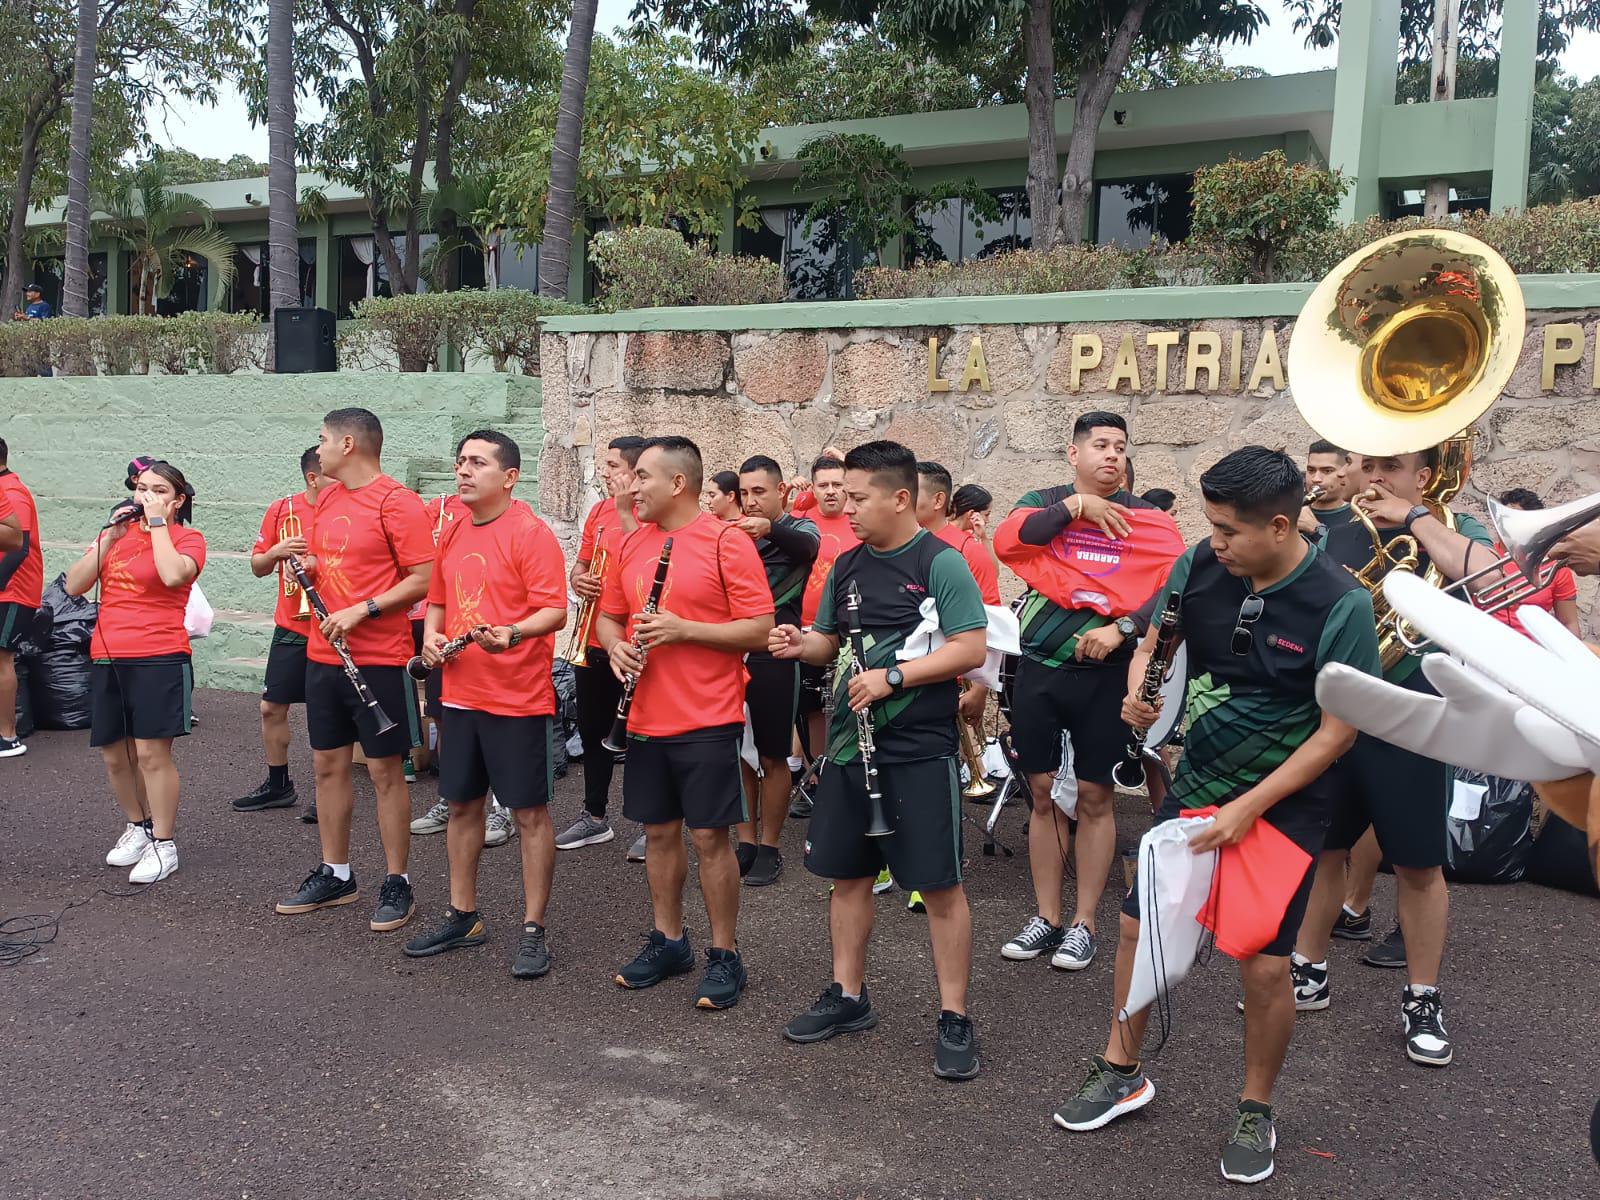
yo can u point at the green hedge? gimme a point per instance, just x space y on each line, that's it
657 268
192 343
502 325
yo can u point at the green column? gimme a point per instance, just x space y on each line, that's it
116 278
1513 113
1369 44
327 281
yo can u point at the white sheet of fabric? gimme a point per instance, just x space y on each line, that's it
198 615
1466 800
994 759
575 746
366 251
1064 791
1002 635
252 251
747 745
1173 884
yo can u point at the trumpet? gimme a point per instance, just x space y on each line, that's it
578 643
877 822
617 740
977 786
418 669
291 527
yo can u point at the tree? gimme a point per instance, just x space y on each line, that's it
184 166
75 292
1478 30
555 246
663 142
1564 158
283 229
1249 213
163 228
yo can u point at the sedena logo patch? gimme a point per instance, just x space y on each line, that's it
1278 642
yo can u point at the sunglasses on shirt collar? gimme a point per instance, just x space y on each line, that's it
1249 613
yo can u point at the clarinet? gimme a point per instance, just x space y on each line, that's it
352 672
878 824
419 670
1129 773
617 740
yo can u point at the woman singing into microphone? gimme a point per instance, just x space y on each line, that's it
144 566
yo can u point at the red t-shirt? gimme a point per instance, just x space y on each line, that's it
978 560
715 575
365 540
141 617
837 537
27 585
601 528
496 574
301 508
1563 585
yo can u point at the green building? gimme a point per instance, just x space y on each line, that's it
1148 150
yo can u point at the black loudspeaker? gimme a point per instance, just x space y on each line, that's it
303 340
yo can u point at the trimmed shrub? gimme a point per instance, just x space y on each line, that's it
503 324
657 268
1250 214
190 343
1079 268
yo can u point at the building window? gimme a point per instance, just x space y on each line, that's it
954 231
180 289
817 264
1409 203
363 273
1136 212
251 290
516 264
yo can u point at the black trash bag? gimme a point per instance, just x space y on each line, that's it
1560 858
565 681
1495 847
58 664
24 701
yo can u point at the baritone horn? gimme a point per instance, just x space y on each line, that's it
290 527
1400 349
977 786
578 641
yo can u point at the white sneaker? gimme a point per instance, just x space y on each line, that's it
130 846
160 860
499 828
432 821
12 747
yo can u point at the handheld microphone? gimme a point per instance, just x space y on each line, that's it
125 512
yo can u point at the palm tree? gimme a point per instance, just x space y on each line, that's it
157 224
75 293
555 247
462 206
283 233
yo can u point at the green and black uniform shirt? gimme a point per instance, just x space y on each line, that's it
1050 632
1328 520
1351 546
918 722
1247 713
787 553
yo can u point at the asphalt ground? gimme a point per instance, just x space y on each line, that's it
187 1042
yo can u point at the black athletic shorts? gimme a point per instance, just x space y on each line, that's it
15 621
922 804
693 778
1086 702
433 685
812 682
1403 796
335 716
144 698
1303 819
286 669
479 751
771 694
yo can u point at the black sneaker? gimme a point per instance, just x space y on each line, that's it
395 904
12 748
767 867
800 808
832 1014
660 959
956 1056
746 853
1104 1095
1422 1018
1310 983
1391 952
309 817
458 929
533 956
1038 937
723 981
1353 927
321 889
267 796
1247 1156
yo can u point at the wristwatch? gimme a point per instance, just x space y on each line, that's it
155 522
1126 627
372 609
896 679
515 634
1416 514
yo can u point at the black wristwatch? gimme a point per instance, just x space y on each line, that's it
372 609
895 678
1416 514
1126 627
515 635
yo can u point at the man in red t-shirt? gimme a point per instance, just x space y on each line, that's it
21 588
598 690
285 531
374 554
498 579
687 715
823 502
1558 596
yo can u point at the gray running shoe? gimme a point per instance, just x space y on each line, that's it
636 851
432 821
498 827
1247 1157
1103 1097
587 830
1391 952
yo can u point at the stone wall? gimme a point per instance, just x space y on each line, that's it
789 392
238 439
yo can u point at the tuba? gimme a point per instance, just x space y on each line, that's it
1401 348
